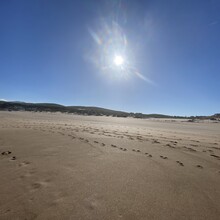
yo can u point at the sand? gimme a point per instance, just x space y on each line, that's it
60 166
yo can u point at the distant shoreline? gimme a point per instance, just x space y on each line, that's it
95 111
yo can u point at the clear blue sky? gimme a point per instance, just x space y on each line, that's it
61 52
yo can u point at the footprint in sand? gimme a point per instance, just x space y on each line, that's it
199 166
163 157
13 158
6 152
155 142
216 156
168 145
194 145
180 163
190 149
92 203
27 175
25 163
38 185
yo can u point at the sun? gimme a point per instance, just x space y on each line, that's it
118 60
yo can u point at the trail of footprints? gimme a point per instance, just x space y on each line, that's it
34 185
57 128
147 154
139 151
100 131
6 153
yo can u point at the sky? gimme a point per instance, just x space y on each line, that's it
67 52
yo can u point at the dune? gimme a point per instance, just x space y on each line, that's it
64 166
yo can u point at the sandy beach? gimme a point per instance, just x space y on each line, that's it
60 166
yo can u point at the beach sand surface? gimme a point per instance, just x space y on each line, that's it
63 166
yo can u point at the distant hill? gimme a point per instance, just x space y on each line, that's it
83 110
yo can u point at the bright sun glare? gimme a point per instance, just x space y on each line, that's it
113 54
118 60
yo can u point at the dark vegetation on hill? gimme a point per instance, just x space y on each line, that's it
82 110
